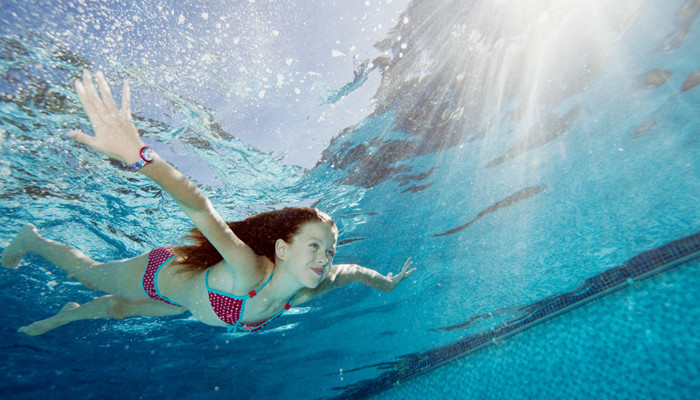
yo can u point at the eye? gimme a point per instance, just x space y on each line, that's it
315 246
331 254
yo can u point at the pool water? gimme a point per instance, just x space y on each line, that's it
529 156
648 350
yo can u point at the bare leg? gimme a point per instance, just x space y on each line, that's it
121 277
102 307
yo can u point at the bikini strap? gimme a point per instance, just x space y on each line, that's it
289 303
254 292
265 323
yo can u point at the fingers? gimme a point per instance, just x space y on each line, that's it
91 90
100 106
82 138
126 100
105 92
88 105
405 271
95 103
115 135
405 274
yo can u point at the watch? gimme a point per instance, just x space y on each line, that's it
146 154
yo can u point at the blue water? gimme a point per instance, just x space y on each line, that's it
648 352
512 150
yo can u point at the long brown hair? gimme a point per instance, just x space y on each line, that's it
259 232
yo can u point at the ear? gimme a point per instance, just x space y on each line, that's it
281 249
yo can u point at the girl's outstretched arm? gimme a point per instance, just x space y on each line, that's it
342 274
116 136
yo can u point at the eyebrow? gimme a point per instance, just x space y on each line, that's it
320 240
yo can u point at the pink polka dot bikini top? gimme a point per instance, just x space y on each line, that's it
229 308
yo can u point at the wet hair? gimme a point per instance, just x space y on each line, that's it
259 232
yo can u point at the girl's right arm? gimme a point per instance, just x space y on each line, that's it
116 136
342 274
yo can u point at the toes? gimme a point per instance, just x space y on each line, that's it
28 330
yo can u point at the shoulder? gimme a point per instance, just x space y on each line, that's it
242 278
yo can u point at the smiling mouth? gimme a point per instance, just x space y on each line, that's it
318 271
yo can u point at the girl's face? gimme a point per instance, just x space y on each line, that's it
310 253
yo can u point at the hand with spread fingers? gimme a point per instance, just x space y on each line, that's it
115 132
403 274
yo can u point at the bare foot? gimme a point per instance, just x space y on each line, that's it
19 246
45 325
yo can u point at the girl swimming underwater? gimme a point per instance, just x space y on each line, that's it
239 274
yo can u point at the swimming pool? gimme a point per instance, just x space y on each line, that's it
529 156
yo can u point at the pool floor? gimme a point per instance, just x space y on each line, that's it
640 342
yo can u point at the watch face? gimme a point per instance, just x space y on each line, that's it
147 154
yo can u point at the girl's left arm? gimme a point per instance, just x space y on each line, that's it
342 274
